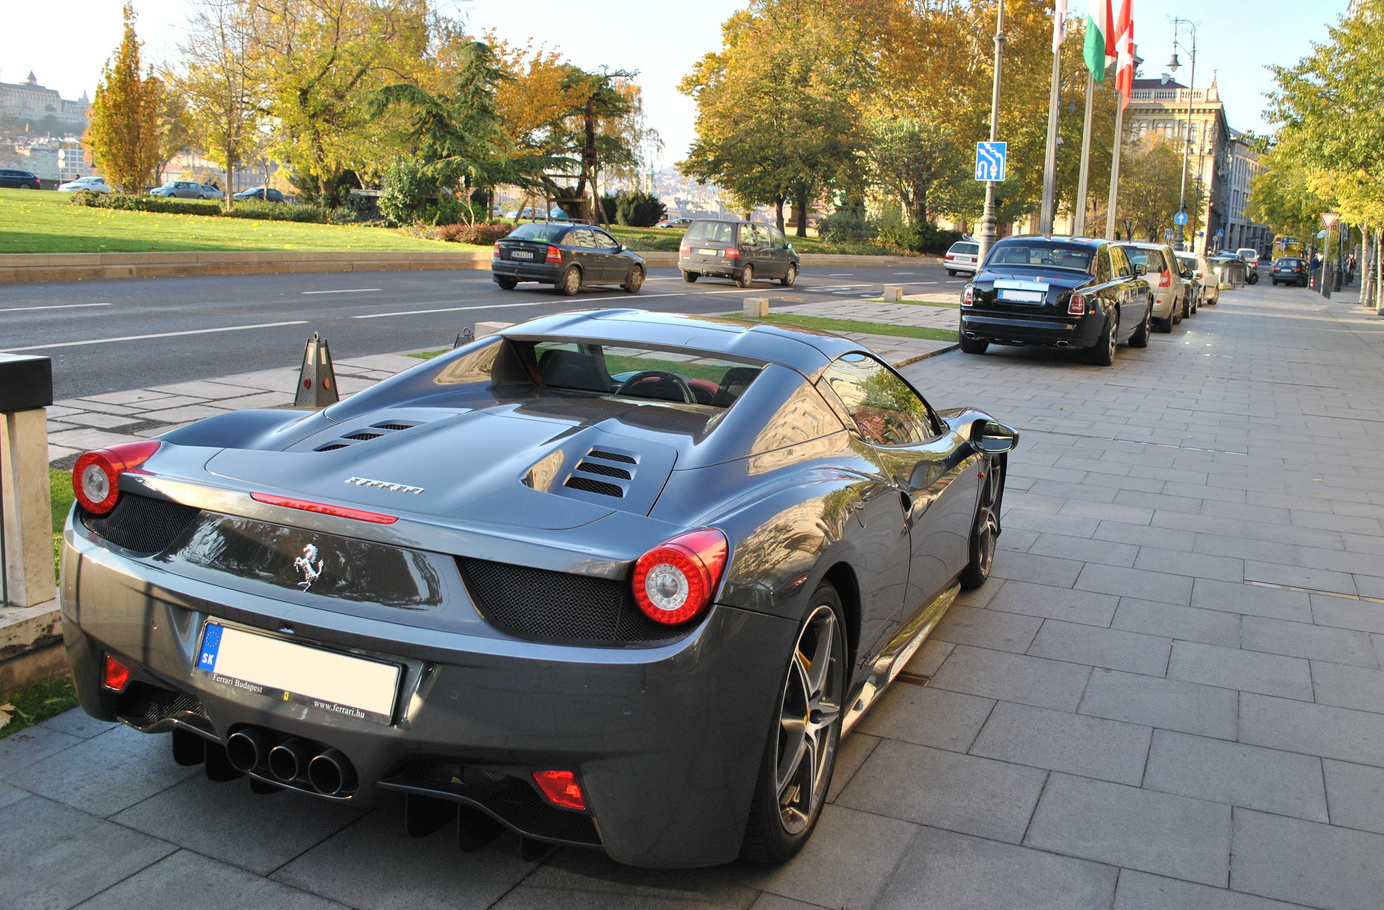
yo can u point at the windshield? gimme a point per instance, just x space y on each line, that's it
1040 254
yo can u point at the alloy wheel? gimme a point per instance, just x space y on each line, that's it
809 717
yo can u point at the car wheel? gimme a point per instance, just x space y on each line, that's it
985 531
635 281
506 282
689 277
800 754
570 282
790 276
25 186
973 346
1140 338
1103 353
1275 284
1176 315
746 276
951 273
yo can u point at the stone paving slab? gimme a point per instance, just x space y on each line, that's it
1116 719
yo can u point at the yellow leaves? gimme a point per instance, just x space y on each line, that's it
6 711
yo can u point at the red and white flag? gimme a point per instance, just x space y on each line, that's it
1124 54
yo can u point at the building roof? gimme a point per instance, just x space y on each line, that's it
1157 83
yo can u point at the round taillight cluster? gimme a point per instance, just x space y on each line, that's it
96 476
675 581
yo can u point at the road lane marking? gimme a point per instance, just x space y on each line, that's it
60 306
343 291
507 306
229 328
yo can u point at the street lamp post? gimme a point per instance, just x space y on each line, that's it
987 232
1178 25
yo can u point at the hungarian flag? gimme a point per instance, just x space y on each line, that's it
1100 40
1124 54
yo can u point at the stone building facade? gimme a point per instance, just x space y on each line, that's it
27 108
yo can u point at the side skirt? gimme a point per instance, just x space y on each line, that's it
898 652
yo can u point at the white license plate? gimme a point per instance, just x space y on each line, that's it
1022 296
521 254
289 672
709 252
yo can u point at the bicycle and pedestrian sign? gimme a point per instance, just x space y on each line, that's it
990 161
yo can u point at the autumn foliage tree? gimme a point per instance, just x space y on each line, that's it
124 131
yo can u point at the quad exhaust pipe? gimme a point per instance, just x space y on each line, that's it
289 760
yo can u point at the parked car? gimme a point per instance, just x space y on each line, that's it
184 189
674 223
1157 261
739 250
1290 270
1208 283
260 194
567 256
90 184
612 579
961 257
15 179
1249 254
1056 291
1191 290
212 192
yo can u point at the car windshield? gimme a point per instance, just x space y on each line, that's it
678 376
711 232
539 231
1040 254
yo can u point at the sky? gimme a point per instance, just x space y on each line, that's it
662 40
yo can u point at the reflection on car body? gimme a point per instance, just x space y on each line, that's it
624 581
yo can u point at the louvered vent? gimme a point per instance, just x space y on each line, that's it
604 463
365 435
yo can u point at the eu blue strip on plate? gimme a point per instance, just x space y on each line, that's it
211 642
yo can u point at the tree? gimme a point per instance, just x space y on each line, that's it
175 125
216 84
124 126
1150 181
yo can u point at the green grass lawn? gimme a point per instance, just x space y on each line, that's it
48 222
853 325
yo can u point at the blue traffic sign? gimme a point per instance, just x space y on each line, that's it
1180 218
990 160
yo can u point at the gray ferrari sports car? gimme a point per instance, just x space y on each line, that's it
611 579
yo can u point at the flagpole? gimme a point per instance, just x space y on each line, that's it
1050 151
1079 222
1115 171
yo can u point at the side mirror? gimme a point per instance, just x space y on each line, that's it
1140 270
1186 273
993 438
790 246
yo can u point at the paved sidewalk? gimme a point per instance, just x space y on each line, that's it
1169 696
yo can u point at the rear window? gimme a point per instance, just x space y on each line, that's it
681 377
1040 254
539 231
968 249
711 232
1150 259
1288 263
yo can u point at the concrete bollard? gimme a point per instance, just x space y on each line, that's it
26 533
757 307
490 328
893 293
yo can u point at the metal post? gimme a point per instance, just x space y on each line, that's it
1050 150
1079 217
987 231
1187 143
1115 168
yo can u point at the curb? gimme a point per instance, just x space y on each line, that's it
17 267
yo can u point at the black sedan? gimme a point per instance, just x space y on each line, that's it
610 579
1063 292
567 256
260 194
1290 270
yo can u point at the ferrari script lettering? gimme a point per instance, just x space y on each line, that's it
384 485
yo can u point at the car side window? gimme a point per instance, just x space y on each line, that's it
1120 262
1103 267
883 408
581 238
605 242
776 239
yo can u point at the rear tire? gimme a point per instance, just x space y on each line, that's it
1140 338
570 282
1103 354
972 346
790 276
951 273
690 277
506 283
800 752
746 276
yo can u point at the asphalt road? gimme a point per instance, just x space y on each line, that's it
106 336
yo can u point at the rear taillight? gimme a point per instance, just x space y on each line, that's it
114 675
96 476
322 508
968 296
1165 278
674 582
1076 306
554 254
733 252
561 788
684 248
497 249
